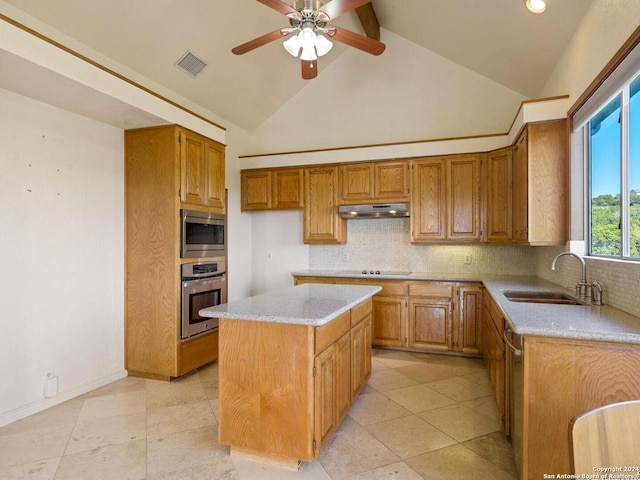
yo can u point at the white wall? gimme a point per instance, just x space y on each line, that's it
606 25
406 94
61 254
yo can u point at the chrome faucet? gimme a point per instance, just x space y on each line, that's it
582 288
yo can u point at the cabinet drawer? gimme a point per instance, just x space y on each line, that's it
359 312
431 290
332 331
389 287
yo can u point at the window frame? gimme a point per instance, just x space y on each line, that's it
625 166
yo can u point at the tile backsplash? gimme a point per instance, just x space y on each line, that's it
620 279
384 244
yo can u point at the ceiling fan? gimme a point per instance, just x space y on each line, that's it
309 31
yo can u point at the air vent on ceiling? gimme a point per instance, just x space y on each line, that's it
191 64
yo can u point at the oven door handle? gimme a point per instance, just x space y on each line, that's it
203 282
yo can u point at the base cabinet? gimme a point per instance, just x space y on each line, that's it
493 352
273 411
563 379
422 315
389 321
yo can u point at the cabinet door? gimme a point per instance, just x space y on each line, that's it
389 321
356 183
325 422
430 324
428 212
287 188
360 355
192 169
343 376
463 198
493 352
256 190
469 320
391 181
321 222
499 214
214 178
547 183
520 189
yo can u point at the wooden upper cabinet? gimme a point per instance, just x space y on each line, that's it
463 198
271 189
255 188
428 197
498 206
373 182
356 183
201 171
392 181
321 222
215 175
287 189
445 199
520 190
540 184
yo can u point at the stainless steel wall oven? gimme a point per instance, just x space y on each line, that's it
203 285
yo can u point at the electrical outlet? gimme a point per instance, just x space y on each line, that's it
269 255
345 256
467 259
50 385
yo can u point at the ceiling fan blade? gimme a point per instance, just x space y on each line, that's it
361 42
257 42
335 8
309 69
279 6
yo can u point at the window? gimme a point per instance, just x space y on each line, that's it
614 175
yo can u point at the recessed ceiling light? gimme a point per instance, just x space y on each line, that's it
536 6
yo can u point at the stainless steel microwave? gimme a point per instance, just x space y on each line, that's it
204 234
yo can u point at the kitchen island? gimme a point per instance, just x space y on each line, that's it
291 364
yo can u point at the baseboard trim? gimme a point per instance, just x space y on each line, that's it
35 407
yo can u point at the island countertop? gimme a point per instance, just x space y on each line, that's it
308 304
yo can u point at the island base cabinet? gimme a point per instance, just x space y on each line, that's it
265 404
285 388
561 380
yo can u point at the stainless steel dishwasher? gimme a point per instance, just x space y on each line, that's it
515 357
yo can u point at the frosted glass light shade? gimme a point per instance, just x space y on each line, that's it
323 45
308 53
292 45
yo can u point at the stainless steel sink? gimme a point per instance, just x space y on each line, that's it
558 298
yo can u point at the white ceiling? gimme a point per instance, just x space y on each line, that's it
499 39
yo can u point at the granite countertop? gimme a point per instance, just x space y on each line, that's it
587 322
389 275
308 304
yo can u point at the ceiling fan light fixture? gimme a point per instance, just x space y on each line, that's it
292 45
536 6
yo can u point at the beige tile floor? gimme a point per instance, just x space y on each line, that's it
420 417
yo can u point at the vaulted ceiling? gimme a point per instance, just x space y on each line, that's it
498 39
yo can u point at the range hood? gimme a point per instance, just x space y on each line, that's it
387 210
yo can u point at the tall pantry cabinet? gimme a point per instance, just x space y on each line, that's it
166 168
